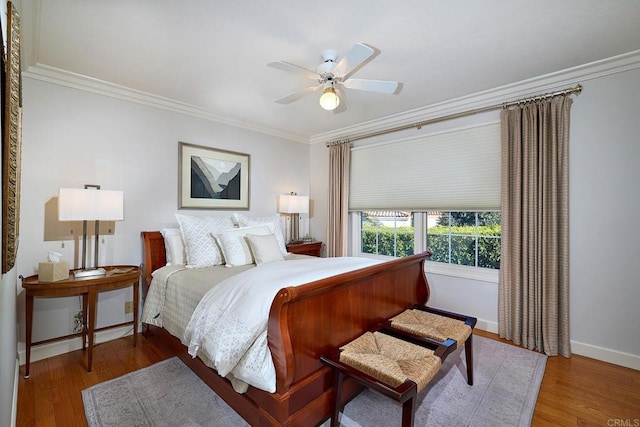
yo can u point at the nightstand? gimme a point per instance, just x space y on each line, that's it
311 248
117 277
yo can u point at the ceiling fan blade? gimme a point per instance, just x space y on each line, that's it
355 58
380 86
297 95
344 102
292 68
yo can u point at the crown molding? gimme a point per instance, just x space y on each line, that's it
496 96
77 81
511 92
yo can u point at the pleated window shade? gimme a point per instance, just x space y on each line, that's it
454 170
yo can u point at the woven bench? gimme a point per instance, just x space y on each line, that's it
388 365
430 325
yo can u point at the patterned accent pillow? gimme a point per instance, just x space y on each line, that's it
197 235
273 222
265 248
234 246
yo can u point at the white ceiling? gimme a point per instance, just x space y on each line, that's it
213 54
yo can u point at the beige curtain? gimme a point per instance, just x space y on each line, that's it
338 199
534 265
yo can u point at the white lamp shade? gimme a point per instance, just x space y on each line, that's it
77 204
291 203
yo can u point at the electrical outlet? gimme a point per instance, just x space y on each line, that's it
128 307
76 322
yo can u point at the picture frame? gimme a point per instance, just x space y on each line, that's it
11 139
211 178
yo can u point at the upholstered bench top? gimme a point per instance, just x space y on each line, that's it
431 325
390 360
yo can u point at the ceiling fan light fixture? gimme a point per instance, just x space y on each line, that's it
329 99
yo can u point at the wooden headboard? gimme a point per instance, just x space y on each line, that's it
153 256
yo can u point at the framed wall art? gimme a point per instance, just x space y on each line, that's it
210 178
11 140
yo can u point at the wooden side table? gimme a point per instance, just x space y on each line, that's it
311 248
117 277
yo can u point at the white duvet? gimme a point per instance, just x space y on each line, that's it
229 325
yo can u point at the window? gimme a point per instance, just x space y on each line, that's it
461 238
387 233
439 190
464 238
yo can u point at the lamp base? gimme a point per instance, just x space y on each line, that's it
89 272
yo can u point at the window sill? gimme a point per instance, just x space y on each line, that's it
463 271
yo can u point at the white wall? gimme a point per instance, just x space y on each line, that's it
8 348
604 202
318 190
604 237
73 137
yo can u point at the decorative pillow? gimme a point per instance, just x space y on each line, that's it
265 248
274 223
173 246
234 246
197 235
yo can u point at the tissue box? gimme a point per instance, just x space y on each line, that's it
53 271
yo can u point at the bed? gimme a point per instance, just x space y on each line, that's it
304 322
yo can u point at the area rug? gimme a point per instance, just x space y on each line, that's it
506 384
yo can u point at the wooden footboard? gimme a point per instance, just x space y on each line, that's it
308 321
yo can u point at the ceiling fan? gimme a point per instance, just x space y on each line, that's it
333 76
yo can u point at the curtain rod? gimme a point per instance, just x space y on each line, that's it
564 92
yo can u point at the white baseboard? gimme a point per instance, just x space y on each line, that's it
487 325
14 402
627 360
587 350
44 351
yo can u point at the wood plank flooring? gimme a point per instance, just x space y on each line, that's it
575 392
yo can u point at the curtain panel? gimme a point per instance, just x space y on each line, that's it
534 265
338 199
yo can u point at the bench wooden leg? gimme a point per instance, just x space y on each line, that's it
409 412
468 352
337 398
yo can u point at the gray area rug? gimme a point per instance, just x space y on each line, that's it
507 380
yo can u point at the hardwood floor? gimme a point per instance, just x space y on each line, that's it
575 392
580 391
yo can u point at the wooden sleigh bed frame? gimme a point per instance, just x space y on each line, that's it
306 322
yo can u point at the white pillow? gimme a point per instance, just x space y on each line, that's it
197 234
274 223
265 248
234 246
173 246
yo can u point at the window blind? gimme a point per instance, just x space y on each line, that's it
454 170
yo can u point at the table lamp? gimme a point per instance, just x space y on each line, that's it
90 204
293 205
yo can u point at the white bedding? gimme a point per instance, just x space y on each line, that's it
229 325
176 292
